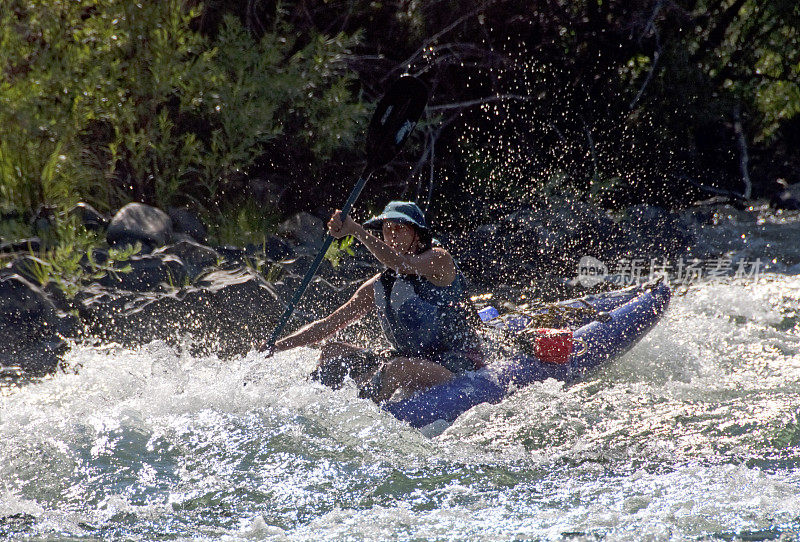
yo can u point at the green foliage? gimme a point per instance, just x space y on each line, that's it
622 96
275 271
339 249
777 100
14 229
63 263
66 230
112 100
745 53
243 224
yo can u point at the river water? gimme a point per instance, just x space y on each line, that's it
693 435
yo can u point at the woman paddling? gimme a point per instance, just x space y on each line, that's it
422 305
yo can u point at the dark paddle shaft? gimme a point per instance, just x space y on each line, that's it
317 261
392 122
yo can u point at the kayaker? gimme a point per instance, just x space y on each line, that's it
422 305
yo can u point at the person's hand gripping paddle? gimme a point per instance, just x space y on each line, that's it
392 122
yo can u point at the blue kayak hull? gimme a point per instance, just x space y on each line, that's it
628 317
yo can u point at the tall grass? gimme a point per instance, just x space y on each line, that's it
109 101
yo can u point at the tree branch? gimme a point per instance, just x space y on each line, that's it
651 21
656 56
433 39
744 156
479 101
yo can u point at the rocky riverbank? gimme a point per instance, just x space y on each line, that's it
225 299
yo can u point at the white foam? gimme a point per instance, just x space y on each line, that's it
656 443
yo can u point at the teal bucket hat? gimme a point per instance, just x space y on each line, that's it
405 212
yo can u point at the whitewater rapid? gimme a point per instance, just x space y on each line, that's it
692 434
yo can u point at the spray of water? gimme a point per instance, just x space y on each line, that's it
693 433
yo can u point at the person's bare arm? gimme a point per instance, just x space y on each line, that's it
436 264
355 308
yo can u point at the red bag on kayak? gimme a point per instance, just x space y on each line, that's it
553 345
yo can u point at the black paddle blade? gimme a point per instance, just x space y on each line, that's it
394 119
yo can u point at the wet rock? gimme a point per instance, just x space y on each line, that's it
697 216
231 254
535 242
274 249
644 214
185 221
32 244
654 232
194 257
91 218
37 359
590 231
297 267
24 311
227 313
354 269
329 288
148 272
31 329
59 299
730 214
137 222
304 229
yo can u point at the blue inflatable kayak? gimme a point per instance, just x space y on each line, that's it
602 328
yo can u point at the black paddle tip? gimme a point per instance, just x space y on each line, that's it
395 117
406 91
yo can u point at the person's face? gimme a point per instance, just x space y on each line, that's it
399 236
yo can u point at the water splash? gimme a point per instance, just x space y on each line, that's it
694 433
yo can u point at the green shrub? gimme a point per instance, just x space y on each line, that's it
60 261
242 224
339 249
113 100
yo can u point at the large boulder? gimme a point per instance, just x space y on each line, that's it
538 247
227 312
137 222
186 222
304 229
35 359
24 311
535 242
